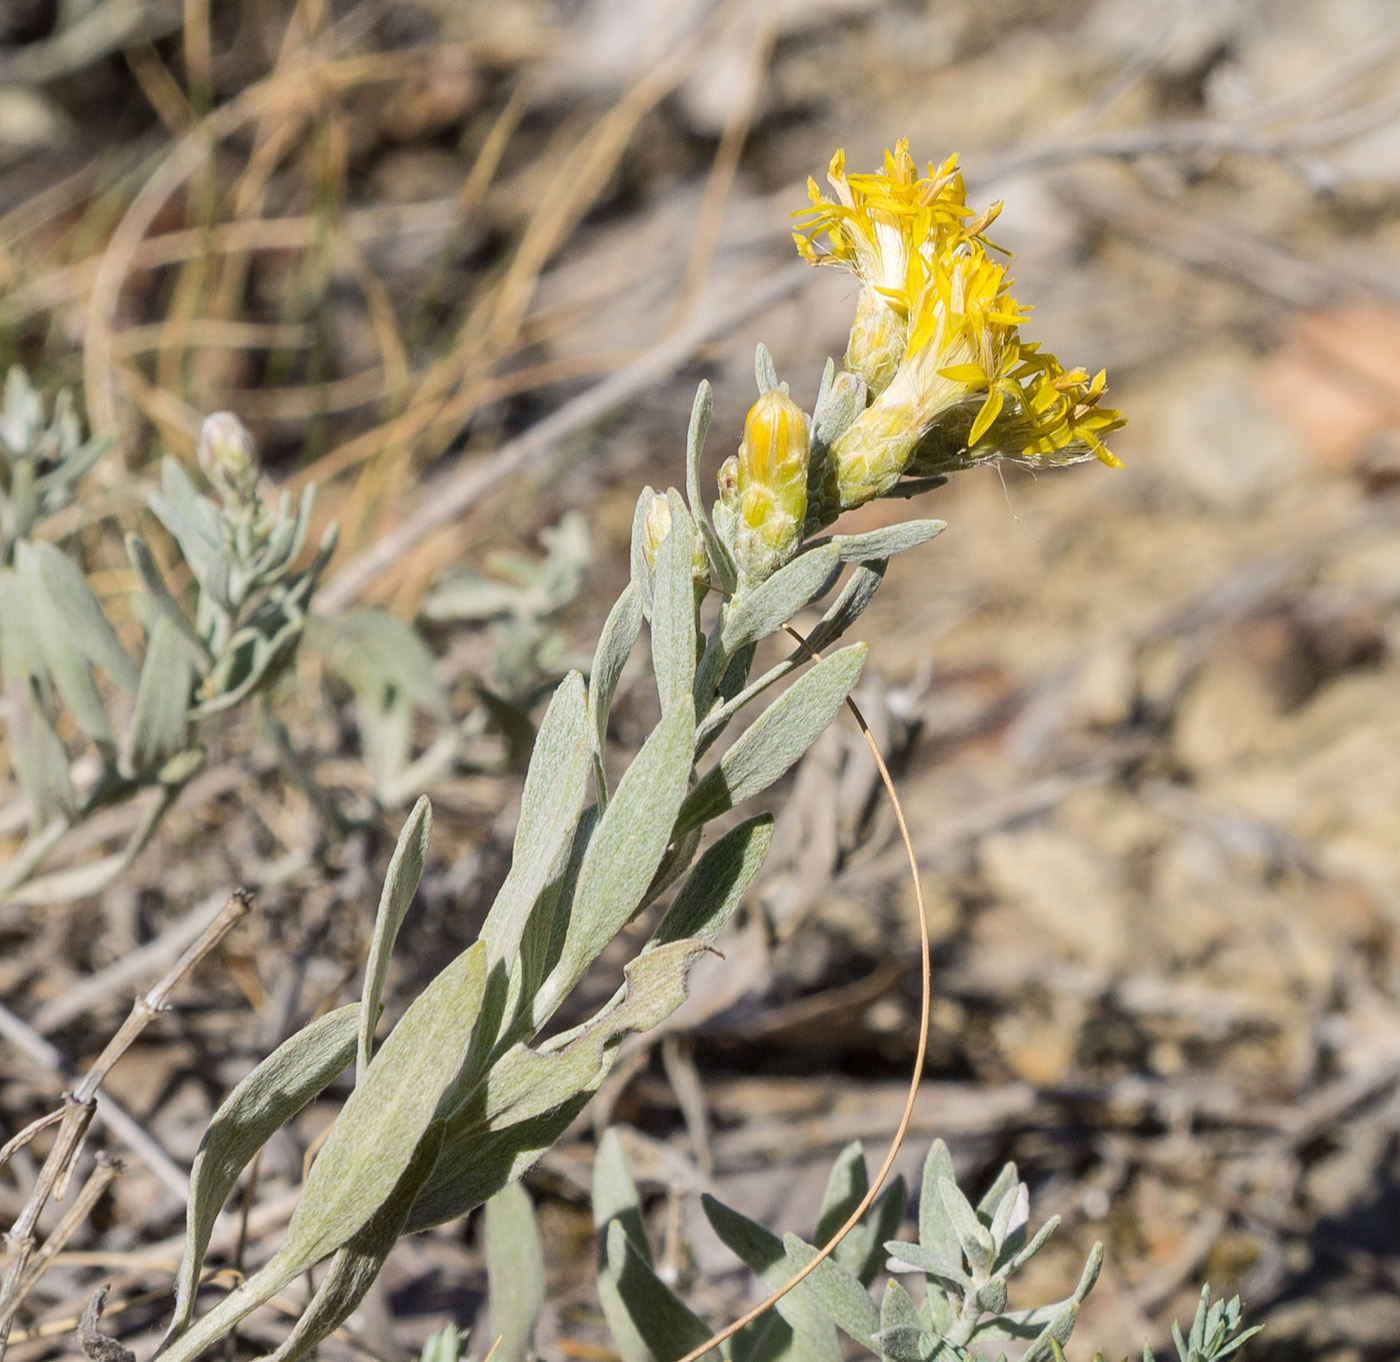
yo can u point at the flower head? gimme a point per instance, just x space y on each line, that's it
937 339
886 228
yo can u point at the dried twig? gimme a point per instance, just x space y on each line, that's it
79 1108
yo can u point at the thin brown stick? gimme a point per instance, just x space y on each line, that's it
79 1108
926 1002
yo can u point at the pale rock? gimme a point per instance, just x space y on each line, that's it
1225 715
1218 438
1066 889
1104 685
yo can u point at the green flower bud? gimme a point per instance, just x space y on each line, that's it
229 460
771 484
657 526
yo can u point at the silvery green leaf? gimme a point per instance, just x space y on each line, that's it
1057 1331
718 883
766 608
615 1197
642 575
400 885
1027 1323
408 1085
862 1251
993 1197
462 594
39 757
166 606
847 1182
556 785
765 1255
673 611
837 1291
515 1271
936 1232
159 722
992 1297
775 740
905 1257
257 1108
444 1345
1022 1256
379 654
354 1267
528 1097
700 412
67 665
1010 1222
973 1236
885 543
841 399
194 522
909 1343
647 1322
721 560
855 596
897 1307
615 646
626 850
764 372
848 607
77 606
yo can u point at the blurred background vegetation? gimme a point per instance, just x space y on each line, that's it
1146 723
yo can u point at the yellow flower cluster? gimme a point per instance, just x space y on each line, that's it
937 336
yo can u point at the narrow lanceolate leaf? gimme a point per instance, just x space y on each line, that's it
515 1272
74 602
354 1268
700 412
556 785
647 1322
625 852
775 740
615 1195
847 1182
642 576
718 883
936 1232
973 1237
615 646
158 726
765 609
256 1109
673 612
764 1254
529 1096
848 607
166 606
400 885
885 543
837 1292
404 1090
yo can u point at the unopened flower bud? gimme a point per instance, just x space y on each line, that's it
657 526
229 460
772 485
877 341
